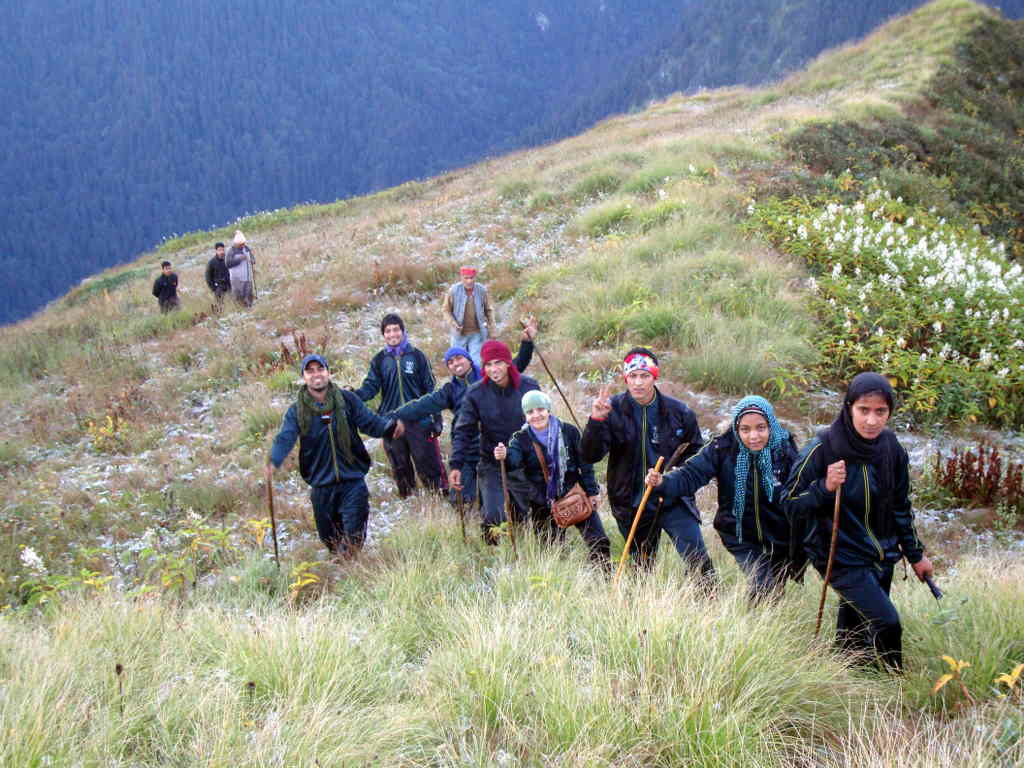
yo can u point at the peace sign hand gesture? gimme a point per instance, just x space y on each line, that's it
602 404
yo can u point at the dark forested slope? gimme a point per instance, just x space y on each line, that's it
128 121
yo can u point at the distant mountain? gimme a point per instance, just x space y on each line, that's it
129 121
731 42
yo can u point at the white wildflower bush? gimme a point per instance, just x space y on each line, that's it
934 306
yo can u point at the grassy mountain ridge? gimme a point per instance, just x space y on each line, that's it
189 113
130 471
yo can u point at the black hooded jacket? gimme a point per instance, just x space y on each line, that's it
866 536
764 521
218 277
491 412
618 437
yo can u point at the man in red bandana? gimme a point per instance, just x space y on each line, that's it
633 429
491 409
468 311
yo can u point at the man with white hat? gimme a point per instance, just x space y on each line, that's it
240 263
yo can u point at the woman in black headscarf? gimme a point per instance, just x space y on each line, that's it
876 524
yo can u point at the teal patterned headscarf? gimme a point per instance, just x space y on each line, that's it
777 436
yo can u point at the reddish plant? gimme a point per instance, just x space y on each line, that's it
981 476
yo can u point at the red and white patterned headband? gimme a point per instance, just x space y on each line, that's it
638 362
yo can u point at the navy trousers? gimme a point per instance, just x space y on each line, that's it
868 623
766 572
681 524
341 511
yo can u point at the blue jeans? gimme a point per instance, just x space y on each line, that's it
471 343
341 511
868 622
765 572
681 522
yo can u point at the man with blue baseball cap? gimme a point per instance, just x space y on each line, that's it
326 421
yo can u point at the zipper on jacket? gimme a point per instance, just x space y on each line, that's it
757 504
334 452
867 512
398 373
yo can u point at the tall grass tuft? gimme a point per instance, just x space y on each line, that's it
432 652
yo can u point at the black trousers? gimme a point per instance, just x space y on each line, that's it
415 453
868 623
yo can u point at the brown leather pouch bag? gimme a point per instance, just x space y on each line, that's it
574 507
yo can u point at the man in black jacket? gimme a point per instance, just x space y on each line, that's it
400 373
449 397
165 288
490 413
218 278
633 429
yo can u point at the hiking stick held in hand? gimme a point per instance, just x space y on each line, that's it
936 592
831 558
508 508
636 521
461 506
252 269
565 400
273 520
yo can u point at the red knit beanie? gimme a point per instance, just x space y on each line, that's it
495 350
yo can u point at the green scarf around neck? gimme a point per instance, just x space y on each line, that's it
334 404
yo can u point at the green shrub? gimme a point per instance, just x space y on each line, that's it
596 186
542 201
932 306
159 324
206 498
606 218
590 325
658 215
258 420
515 191
657 323
282 381
105 283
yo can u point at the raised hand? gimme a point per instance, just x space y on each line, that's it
602 404
530 328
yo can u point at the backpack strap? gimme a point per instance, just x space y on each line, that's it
540 458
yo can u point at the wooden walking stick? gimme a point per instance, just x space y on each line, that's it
831 559
508 508
565 400
252 269
636 521
273 520
461 506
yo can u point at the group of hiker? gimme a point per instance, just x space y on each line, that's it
518 464
232 272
